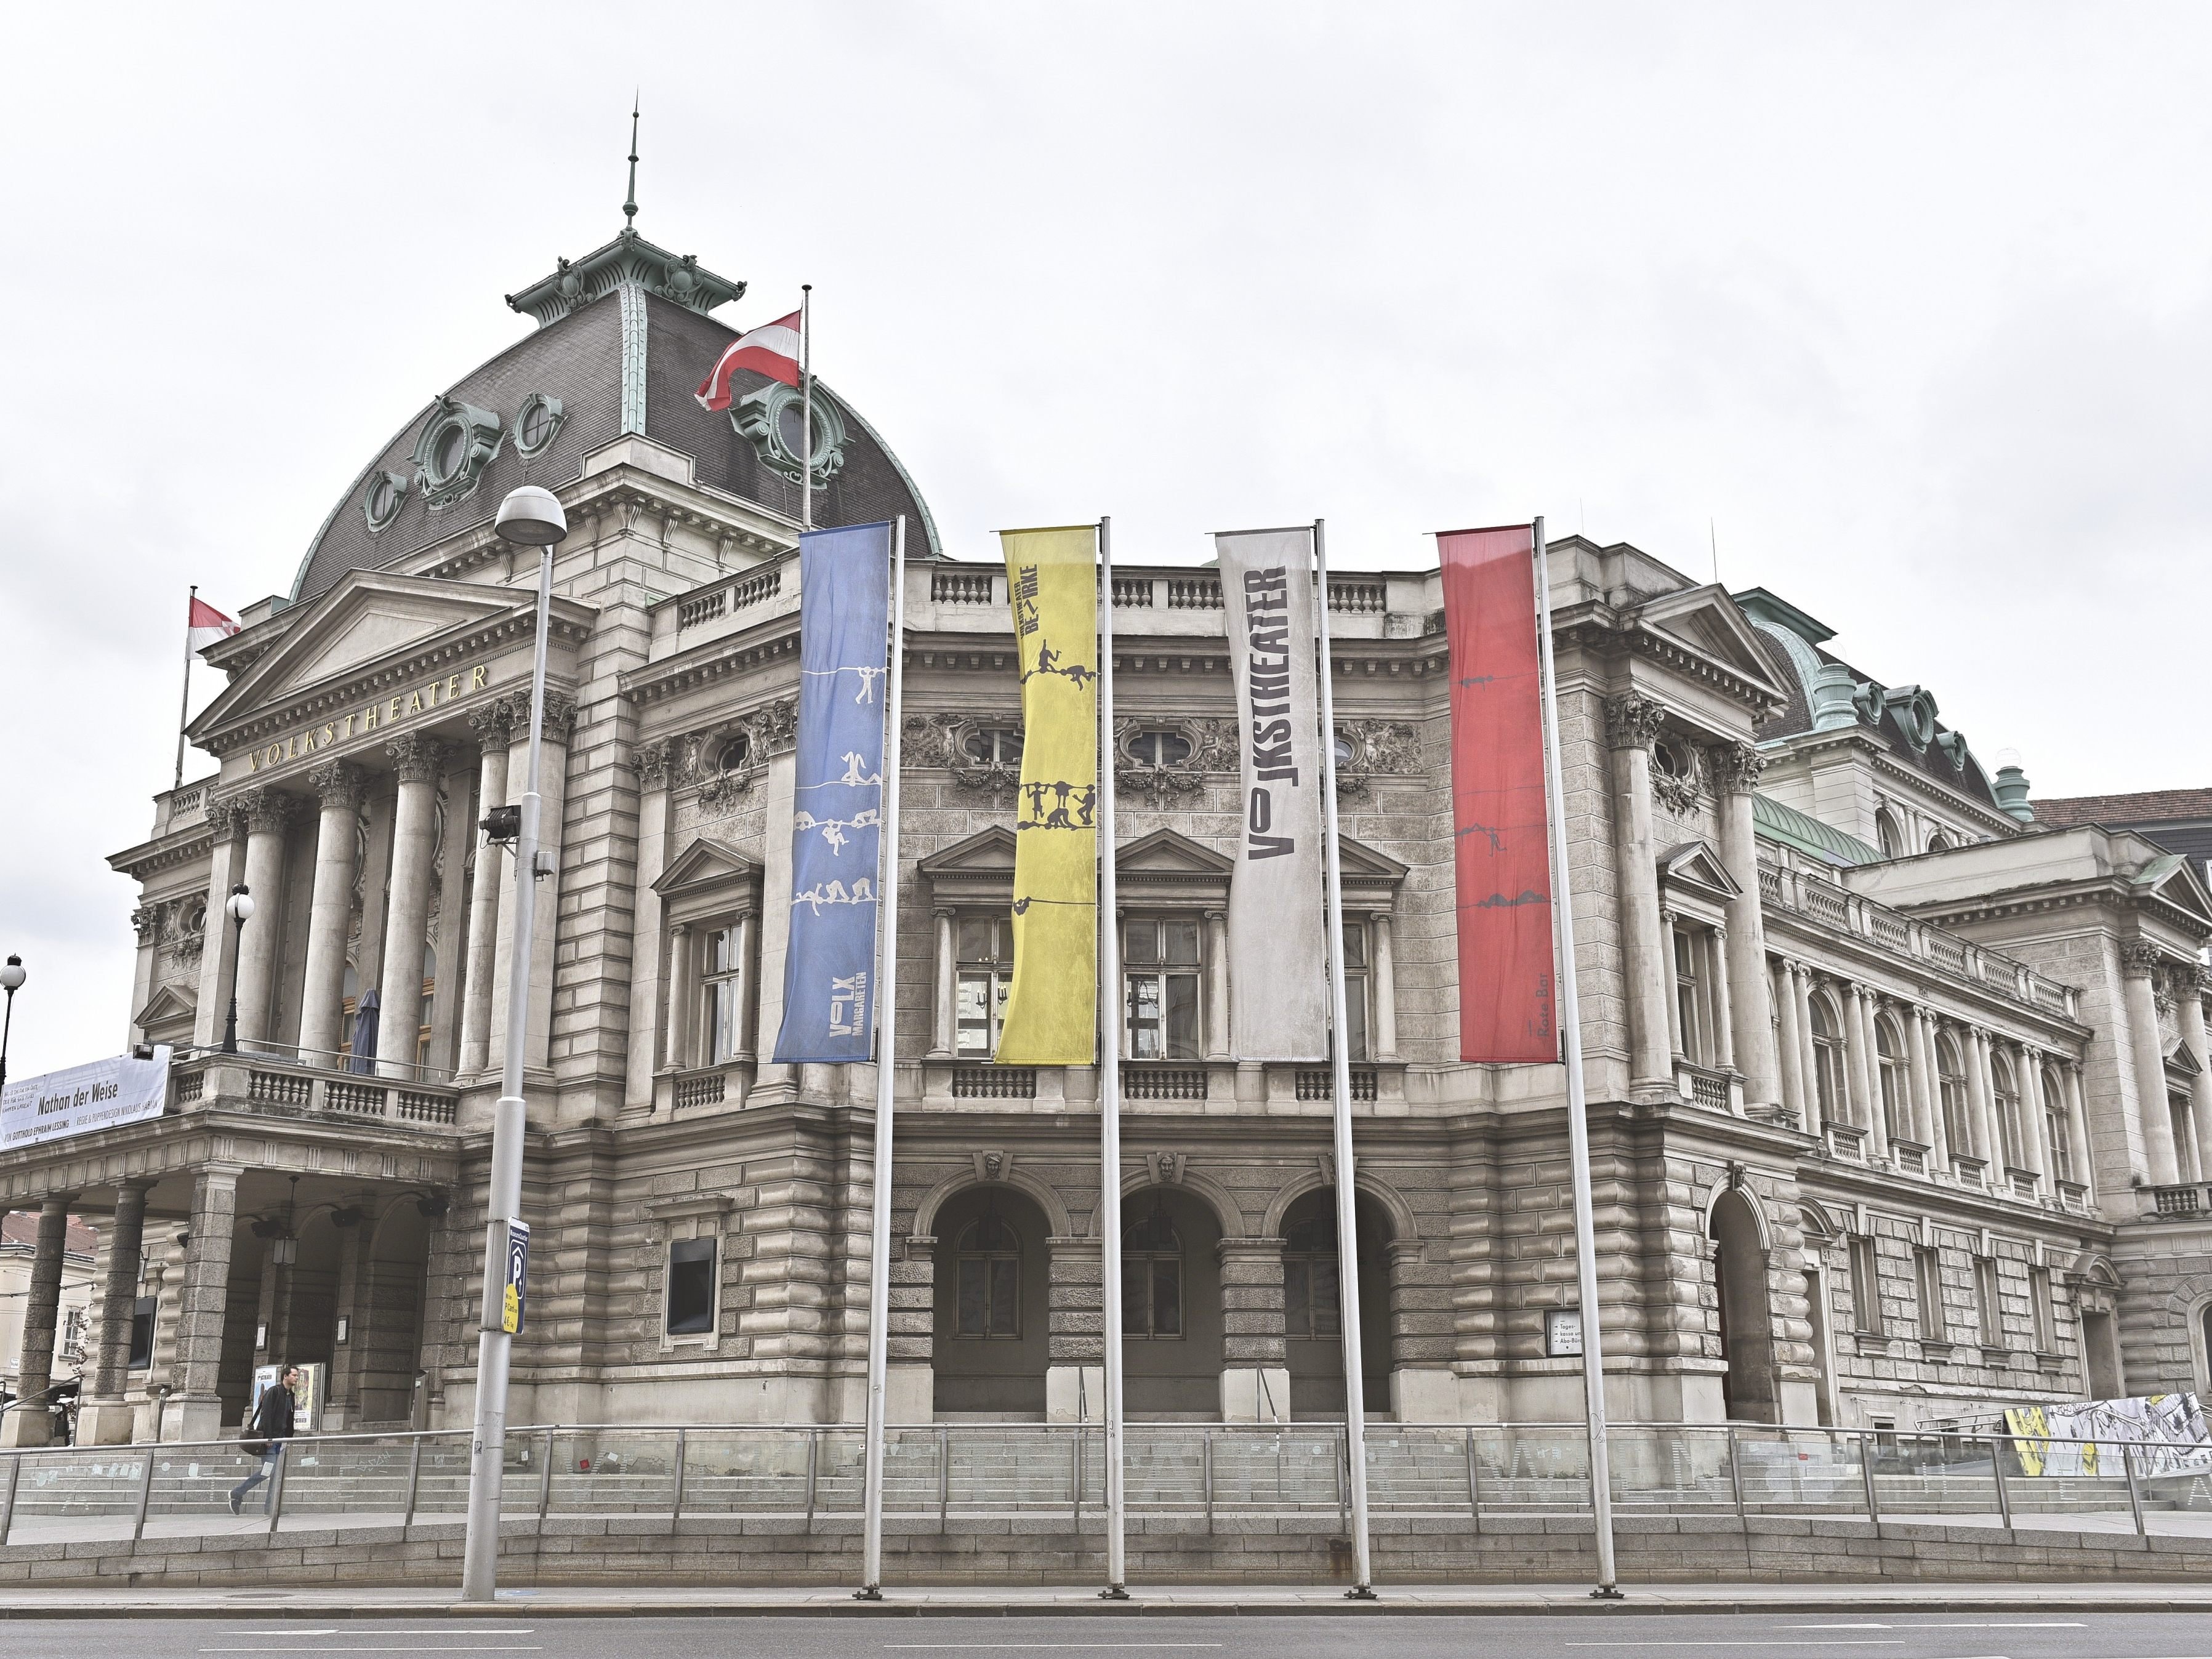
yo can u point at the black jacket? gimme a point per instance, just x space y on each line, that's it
273 1417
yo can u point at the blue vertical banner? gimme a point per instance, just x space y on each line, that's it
837 822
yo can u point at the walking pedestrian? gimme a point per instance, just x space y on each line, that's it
266 1431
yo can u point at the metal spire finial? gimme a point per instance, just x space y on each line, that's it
629 206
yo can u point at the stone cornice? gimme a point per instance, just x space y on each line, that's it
1809 944
173 1147
2110 893
149 858
717 659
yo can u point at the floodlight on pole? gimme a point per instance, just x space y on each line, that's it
11 980
528 517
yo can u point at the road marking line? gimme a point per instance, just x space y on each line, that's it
1025 1647
493 1630
492 1647
1871 1643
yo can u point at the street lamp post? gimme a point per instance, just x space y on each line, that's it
528 517
241 906
11 980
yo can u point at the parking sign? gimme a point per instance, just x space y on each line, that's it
518 1277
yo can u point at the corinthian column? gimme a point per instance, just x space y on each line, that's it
2138 962
552 782
490 726
322 997
268 813
2189 986
1631 724
407 915
1736 768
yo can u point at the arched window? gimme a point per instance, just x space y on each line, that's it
430 1004
1951 1086
1311 1307
1940 843
2006 1087
2061 1160
1885 834
1827 1059
988 1279
1889 1056
1152 1277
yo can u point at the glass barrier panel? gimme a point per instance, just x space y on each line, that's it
1540 1468
1799 1471
71 1493
1416 1467
365 1480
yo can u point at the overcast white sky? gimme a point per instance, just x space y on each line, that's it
1909 301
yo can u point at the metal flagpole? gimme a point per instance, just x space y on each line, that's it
805 406
1347 1236
1578 1121
185 703
1109 1076
879 1225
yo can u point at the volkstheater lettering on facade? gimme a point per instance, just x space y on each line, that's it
1900 1103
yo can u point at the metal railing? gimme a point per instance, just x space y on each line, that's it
968 1470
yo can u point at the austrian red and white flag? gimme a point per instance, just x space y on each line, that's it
206 624
771 350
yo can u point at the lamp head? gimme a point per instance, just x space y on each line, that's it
531 516
239 904
12 976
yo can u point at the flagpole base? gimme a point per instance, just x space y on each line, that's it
1607 1593
1113 1593
868 1593
1361 1592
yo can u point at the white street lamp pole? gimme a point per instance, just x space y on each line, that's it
529 517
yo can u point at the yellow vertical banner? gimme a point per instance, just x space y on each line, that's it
1052 1010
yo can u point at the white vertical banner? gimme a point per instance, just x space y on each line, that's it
1275 895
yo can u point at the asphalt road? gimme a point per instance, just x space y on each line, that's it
1565 1635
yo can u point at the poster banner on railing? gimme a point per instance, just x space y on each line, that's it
83 1099
2084 1436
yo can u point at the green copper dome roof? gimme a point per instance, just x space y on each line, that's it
1807 835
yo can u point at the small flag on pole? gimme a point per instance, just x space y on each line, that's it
771 350
205 624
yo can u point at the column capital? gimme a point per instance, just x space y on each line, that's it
2140 958
653 762
1736 767
415 757
337 784
679 930
1632 722
943 913
1217 915
489 722
264 810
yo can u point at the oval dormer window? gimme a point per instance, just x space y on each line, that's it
380 502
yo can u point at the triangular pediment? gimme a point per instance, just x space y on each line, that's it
370 618
2174 879
167 1005
1696 865
1359 861
990 851
1707 621
1166 853
706 863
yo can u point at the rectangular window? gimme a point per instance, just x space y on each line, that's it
722 984
988 1296
2062 1149
690 1287
2184 1133
1309 1294
143 1315
1160 964
1866 1287
986 950
1151 1295
1988 1311
2039 1296
1688 998
1928 1283
1355 989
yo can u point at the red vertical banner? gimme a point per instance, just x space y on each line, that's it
1501 863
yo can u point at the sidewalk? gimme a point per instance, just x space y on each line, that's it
1183 1601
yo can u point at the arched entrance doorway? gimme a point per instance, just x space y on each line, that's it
1170 1304
1313 1331
991 1324
390 1327
1749 1389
